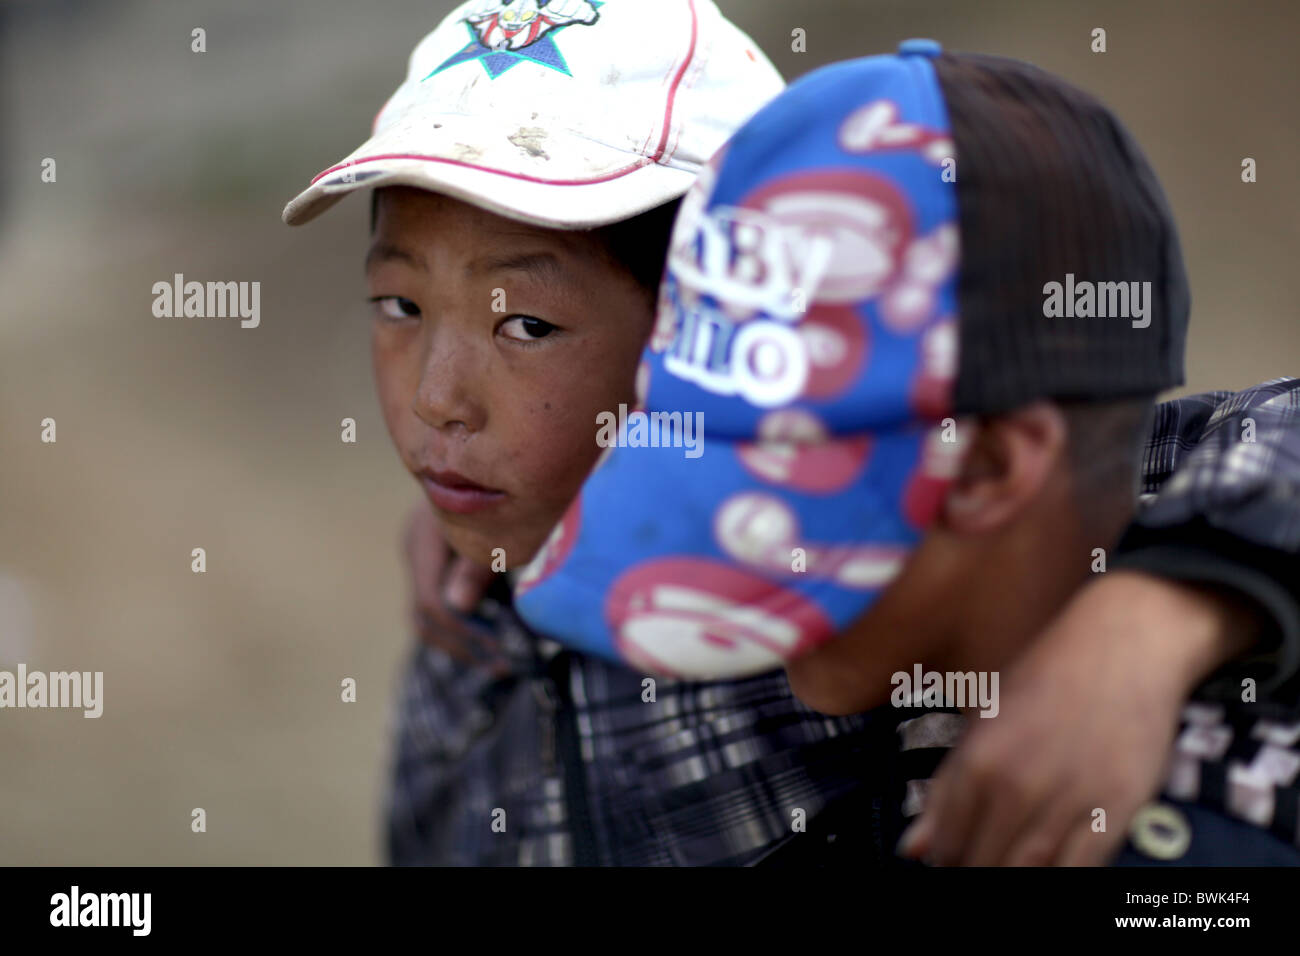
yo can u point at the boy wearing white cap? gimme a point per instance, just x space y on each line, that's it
529 164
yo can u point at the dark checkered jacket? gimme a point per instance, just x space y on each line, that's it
576 761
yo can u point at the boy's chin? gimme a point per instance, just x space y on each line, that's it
494 552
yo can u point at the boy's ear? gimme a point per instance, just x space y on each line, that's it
1008 462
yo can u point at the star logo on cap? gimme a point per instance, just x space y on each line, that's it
506 32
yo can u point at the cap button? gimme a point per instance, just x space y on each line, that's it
919 47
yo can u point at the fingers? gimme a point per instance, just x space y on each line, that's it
1001 794
1005 823
449 640
1042 841
916 839
465 585
1086 847
426 557
1019 809
953 805
978 816
443 584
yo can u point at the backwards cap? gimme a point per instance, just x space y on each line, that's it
892 240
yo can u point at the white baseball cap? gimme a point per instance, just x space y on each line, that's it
567 114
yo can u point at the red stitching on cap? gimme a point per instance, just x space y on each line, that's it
632 167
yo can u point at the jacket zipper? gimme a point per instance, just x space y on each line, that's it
548 702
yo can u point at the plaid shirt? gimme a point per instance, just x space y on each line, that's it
574 763
1220 504
578 761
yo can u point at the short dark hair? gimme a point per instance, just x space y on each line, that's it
1105 446
639 244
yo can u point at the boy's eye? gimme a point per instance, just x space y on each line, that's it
393 307
524 328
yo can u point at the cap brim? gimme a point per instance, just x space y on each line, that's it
730 569
549 178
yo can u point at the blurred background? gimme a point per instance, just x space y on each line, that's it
222 690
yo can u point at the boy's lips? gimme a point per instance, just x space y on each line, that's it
452 491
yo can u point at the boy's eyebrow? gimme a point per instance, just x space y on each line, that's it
543 266
387 252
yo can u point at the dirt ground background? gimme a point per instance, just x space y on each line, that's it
222 689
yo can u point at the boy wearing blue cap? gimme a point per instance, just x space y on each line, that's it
919 444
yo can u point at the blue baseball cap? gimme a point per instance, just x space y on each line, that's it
792 440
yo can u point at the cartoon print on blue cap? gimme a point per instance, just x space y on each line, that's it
506 32
808 310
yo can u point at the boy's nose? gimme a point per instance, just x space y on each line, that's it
445 398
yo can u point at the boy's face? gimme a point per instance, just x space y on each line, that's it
495 344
